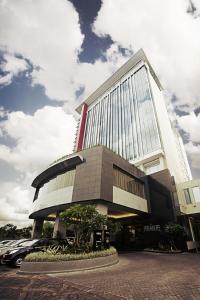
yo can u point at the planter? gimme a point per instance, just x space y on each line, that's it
68 266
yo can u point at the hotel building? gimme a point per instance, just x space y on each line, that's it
129 159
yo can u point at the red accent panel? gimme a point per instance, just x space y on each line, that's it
79 144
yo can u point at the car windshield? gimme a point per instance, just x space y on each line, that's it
17 243
28 243
4 243
10 243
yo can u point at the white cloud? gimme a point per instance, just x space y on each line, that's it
16 202
91 76
191 125
196 5
194 153
11 66
39 139
47 33
168 35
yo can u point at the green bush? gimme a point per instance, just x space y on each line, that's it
47 256
83 220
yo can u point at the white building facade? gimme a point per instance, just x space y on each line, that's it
127 114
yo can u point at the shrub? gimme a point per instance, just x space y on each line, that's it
47 256
174 233
47 230
83 220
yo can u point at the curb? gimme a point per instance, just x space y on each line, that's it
68 266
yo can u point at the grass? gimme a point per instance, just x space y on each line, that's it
45 257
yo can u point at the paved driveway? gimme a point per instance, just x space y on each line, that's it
145 276
137 276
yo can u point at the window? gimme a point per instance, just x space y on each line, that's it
127 182
123 118
187 196
59 182
196 193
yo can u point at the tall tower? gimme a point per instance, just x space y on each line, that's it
127 114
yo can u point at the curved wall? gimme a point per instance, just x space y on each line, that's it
57 191
59 197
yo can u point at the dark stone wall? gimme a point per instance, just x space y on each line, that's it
165 178
87 183
161 202
94 177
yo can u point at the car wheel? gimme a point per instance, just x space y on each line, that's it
2 262
18 261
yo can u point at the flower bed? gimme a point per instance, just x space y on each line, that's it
42 262
44 256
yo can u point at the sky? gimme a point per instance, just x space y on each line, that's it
54 53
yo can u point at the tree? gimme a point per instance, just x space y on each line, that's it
24 232
83 219
10 231
47 230
174 232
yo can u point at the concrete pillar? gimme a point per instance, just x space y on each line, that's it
191 229
192 234
59 230
102 208
37 228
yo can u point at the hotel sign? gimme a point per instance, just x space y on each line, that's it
152 228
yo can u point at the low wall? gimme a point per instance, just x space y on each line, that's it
67 266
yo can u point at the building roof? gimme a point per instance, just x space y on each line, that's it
133 61
56 169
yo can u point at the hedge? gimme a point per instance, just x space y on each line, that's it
44 256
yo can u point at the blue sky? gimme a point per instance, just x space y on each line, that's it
53 53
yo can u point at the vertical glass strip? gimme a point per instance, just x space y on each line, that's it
98 121
111 117
108 121
138 126
89 129
92 127
123 123
120 120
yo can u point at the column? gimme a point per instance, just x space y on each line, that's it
37 228
192 234
59 230
191 229
102 208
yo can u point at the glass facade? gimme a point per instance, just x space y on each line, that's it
123 119
187 196
196 193
59 182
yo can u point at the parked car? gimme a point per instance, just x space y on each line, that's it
16 255
6 242
10 246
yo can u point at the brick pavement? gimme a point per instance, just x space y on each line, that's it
138 276
26 287
141 276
